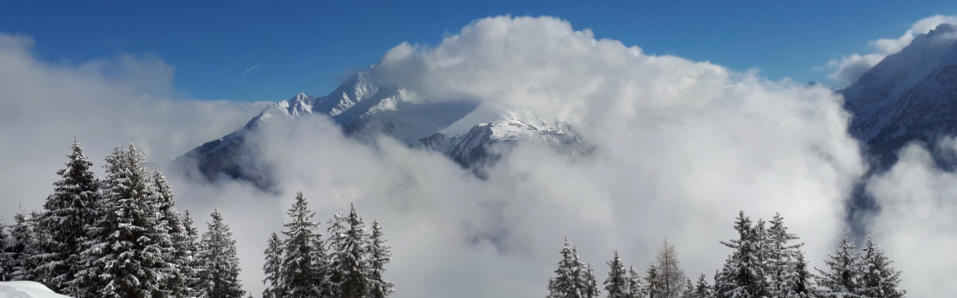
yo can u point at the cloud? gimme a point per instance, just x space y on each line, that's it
849 68
681 146
105 103
917 221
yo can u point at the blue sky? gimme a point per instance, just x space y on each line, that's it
310 46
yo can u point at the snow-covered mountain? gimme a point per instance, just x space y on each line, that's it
469 134
909 96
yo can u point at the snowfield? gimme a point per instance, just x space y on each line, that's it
26 289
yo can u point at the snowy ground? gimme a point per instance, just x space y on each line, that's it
26 289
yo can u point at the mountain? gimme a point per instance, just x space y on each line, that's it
909 96
471 135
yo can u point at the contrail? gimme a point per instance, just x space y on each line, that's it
251 68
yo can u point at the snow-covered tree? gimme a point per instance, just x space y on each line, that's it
379 254
125 252
785 277
616 284
653 286
192 243
303 271
743 272
5 258
670 278
572 276
878 278
348 257
66 215
273 268
180 249
22 247
702 289
220 274
635 289
842 277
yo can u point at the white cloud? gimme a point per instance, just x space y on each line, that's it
917 221
849 68
681 147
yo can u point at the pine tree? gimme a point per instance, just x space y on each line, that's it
653 286
379 255
302 266
571 277
799 279
591 282
702 289
780 257
125 251
842 277
67 214
5 259
273 268
688 291
22 247
335 243
634 284
348 258
220 274
671 280
743 271
878 279
616 285
191 275
179 250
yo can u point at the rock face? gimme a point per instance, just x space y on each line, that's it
909 96
361 107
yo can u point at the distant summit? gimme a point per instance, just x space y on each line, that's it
460 129
910 96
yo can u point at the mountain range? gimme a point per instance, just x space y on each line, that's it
910 96
469 134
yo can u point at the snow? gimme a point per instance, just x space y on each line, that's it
26 289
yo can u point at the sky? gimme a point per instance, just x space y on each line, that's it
254 50
685 134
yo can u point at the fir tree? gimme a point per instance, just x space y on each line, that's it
842 277
125 251
783 274
220 274
798 280
348 258
634 284
273 268
653 286
616 285
743 272
21 248
878 279
336 241
180 248
302 273
379 255
571 277
5 259
67 214
591 282
191 275
702 289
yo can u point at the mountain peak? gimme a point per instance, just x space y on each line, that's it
909 96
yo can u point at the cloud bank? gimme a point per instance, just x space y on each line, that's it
917 221
849 68
681 146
